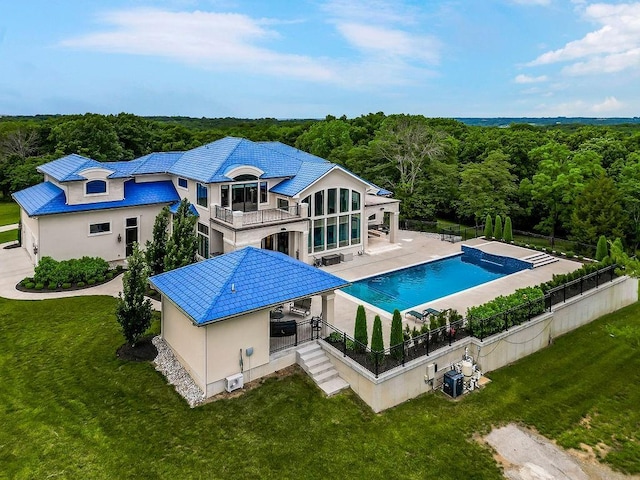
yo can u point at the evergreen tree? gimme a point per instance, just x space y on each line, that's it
508 231
602 249
377 343
488 228
183 244
157 248
360 333
497 230
396 339
133 311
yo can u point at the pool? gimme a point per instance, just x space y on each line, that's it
408 287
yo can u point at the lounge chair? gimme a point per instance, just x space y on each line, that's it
301 307
422 317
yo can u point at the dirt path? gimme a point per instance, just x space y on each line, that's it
526 455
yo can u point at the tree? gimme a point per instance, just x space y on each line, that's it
497 230
559 180
488 227
377 342
602 248
487 187
183 243
90 135
157 248
360 333
508 231
396 340
325 138
628 184
598 211
133 311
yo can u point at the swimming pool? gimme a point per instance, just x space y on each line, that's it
408 287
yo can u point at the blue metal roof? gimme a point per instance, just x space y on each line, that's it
240 282
46 198
159 162
307 174
173 208
66 169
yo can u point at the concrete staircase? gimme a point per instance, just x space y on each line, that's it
540 259
315 362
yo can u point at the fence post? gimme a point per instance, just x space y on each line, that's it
449 333
403 353
428 335
597 278
564 293
375 356
296 339
344 344
505 319
482 324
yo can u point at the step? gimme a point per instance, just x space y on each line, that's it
320 368
324 376
311 356
546 262
316 361
312 347
333 386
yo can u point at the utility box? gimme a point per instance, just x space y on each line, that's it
234 382
453 383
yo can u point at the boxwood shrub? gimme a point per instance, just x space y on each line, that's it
66 285
49 270
80 284
52 286
39 286
29 285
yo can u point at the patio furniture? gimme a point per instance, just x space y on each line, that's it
301 307
422 317
276 315
283 329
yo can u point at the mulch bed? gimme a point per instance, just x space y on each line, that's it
144 351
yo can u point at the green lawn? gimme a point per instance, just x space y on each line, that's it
71 409
9 236
9 212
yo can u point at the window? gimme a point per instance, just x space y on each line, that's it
94 187
202 195
355 228
203 240
283 204
318 202
224 195
99 228
332 238
263 192
343 233
318 235
355 200
183 183
331 201
307 200
344 200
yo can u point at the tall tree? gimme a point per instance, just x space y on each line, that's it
396 339
183 243
377 342
486 188
133 311
360 331
90 135
629 187
157 248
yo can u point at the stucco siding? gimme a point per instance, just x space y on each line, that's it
76 191
186 340
30 235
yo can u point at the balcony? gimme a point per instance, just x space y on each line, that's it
259 217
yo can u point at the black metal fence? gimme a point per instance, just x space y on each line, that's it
448 232
580 285
500 322
293 333
378 362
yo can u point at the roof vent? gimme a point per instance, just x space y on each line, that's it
233 288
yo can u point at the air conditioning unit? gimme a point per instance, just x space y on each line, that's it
234 382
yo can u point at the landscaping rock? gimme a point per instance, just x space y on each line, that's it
167 364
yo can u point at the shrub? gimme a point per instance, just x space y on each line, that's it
52 286
360 331
109 275
570 254
335 337
49 270
39 286
119 268
602 249
100 279
29 285
66 285
508 231
395 340
26 280
91 281
80 284
497 230
377 343
488 227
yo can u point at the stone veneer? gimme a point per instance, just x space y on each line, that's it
509 264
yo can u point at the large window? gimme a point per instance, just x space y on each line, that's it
263 192
344 230
224 195
99 228
203 240
244 197
332 234
331 201
344 200
318 203
94 187
283 204
355 228
355 201
318 235
202 195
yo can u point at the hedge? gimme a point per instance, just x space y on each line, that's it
50 271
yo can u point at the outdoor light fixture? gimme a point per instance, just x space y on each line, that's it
119 238
35 249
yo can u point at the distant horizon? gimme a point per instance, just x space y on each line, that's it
307 58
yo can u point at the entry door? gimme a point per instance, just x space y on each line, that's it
283 242
130 234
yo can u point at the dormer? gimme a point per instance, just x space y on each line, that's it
96 186
241 173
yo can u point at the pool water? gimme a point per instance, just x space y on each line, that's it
408 287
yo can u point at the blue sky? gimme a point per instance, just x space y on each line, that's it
310 58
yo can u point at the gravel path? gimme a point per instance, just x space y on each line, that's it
175 374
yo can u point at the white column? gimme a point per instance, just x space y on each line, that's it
393 227
303 246
328 310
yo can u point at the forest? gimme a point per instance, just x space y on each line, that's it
566 180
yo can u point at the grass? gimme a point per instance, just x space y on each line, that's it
9 236
9 212
71 409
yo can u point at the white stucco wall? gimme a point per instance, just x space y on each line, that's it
30 235
76 190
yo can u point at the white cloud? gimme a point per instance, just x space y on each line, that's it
610 104
215 40
612 48
529 79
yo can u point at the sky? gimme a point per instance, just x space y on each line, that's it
312 58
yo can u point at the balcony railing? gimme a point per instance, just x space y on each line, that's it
271 215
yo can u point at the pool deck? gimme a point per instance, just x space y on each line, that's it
416 247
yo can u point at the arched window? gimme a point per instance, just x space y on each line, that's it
96 186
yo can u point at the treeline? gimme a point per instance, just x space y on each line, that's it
577 181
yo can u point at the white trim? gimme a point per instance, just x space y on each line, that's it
97 234
180 186
101 194
244 170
